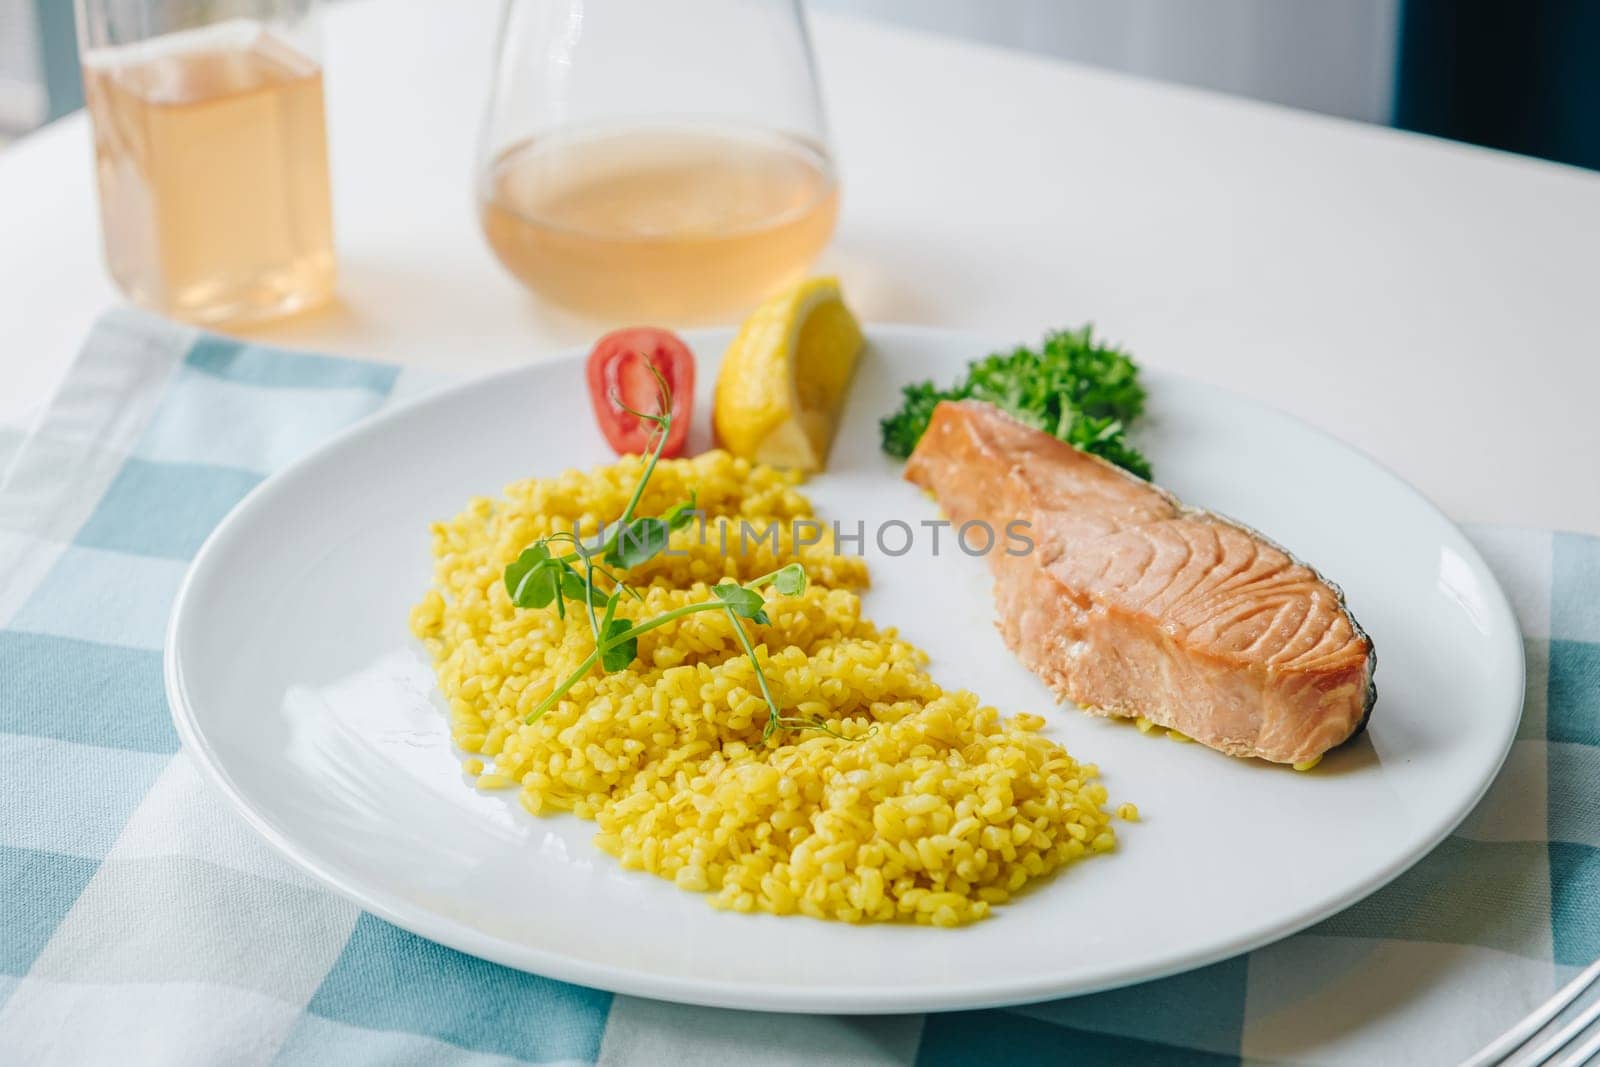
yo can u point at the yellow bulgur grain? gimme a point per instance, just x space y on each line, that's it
933 809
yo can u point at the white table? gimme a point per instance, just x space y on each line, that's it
1434 304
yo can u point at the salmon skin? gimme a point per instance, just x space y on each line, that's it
1132 604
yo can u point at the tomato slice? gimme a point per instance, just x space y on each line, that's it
619 370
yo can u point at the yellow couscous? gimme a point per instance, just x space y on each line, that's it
929 808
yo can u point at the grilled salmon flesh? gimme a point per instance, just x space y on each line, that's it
1131 604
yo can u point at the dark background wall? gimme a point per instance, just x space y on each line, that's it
1523 75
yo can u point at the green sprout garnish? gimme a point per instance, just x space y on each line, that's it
592 576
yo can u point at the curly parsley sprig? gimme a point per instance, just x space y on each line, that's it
1074 387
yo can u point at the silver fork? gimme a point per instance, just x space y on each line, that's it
1533 1041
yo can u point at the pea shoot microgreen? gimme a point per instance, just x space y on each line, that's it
539 578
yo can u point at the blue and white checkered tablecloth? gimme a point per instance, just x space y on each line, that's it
142 922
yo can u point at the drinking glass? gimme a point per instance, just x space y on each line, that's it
210 154
650 160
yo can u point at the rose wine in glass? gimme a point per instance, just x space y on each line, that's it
677 198
659 221
212 165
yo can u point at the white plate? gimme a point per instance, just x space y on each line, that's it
295 683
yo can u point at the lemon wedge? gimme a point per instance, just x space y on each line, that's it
785 376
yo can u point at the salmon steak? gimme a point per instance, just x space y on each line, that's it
1131 604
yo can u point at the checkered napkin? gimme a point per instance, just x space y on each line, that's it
142 922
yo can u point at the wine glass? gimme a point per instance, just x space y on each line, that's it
649 160
211 154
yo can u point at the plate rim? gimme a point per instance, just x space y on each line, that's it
716 993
